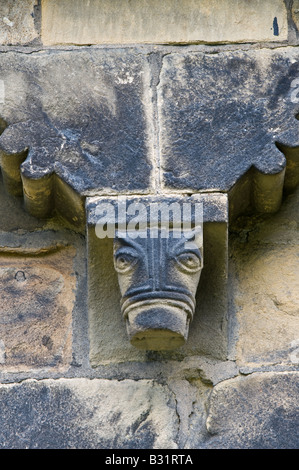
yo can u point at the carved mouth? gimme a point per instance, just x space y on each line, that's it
156 299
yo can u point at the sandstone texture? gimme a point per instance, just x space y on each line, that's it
37 299
17 24
255 412
190 99
87 414
266 287
174 120
92 118
140 21
74 132
295 13
221 114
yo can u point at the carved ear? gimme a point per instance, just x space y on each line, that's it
123 240
191 240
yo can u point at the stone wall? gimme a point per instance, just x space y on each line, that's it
69 378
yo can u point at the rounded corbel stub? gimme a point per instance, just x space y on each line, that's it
157 326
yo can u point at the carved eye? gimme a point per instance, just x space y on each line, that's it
189 261
124 261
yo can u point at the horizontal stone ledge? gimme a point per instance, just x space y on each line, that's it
214 206
142 21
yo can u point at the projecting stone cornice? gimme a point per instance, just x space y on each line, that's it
123 121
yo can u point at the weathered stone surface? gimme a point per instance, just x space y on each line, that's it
295 13
13 215
266 287
79 115
140 21
191 397
87 414
255 412
17 22
214 207
220 116
191 381
37 298
209 371
158 279
268 303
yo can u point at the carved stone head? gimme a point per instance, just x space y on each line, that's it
158 279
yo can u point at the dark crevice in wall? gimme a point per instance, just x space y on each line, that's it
292 28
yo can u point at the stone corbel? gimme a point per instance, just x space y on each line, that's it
158 279
162 281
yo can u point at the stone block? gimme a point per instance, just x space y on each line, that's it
77 125
255 412
87 414
267 302
37 299
17 22
266 287
221 116
141 21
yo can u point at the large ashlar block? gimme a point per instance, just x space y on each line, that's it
259 411
37 289
266 284
87 414
220 118
91 109
17 22
109 341
153 21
